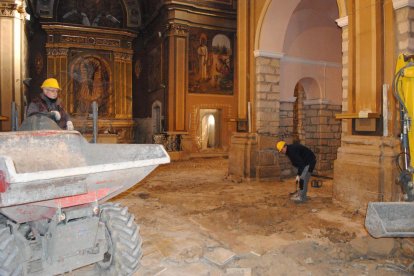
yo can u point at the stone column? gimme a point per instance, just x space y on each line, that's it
13 59
343 23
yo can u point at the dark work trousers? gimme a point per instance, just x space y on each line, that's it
303 183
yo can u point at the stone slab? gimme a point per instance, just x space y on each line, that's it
219 256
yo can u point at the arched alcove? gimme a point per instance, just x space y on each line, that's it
156 117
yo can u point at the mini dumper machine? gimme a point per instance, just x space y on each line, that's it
54 214
396 219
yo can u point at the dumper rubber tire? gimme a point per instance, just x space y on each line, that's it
10 263
124 241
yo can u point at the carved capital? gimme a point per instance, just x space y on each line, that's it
57 51
7 9
123 56
176 29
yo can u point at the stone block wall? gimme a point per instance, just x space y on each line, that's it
322 134
286 133
267 94
405 29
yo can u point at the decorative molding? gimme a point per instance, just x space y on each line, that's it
315 101
288 100
269 54
342 22
91 40
57 51
398 4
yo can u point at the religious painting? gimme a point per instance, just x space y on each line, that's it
91 82
154 69
211 62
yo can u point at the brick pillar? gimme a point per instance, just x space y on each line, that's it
253 154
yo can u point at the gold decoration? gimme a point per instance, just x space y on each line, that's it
38 61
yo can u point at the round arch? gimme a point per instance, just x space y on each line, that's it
274 18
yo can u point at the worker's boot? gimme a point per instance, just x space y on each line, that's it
297 197
294 195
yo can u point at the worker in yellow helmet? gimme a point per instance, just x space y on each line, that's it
304 160
48 103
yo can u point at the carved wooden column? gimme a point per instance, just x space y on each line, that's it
177 35
13 57
123 88
57 62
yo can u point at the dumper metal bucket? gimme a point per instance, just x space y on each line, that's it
40 170
390 219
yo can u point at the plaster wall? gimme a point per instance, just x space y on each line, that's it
328 77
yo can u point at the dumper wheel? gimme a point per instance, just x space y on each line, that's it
10 263
124 242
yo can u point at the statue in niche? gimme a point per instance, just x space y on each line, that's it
77 15
105 19
91 81
98 13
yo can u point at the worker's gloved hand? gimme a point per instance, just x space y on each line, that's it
55 114
297 178
69 125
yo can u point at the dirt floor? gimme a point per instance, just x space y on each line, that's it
195 220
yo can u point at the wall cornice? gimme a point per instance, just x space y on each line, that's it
398 4
268 54
342 22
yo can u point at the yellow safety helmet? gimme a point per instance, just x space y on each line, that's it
280 145
50 82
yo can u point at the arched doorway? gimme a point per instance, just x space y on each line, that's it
298 134
210 129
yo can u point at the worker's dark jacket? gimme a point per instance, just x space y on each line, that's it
43 104
301 156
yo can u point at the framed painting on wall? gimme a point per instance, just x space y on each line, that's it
211 62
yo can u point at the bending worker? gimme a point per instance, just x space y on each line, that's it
48 103
304 160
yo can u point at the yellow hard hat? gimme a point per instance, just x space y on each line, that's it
50 82
280 145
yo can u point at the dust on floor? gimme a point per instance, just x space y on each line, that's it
195 220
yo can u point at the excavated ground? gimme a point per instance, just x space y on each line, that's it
195 220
